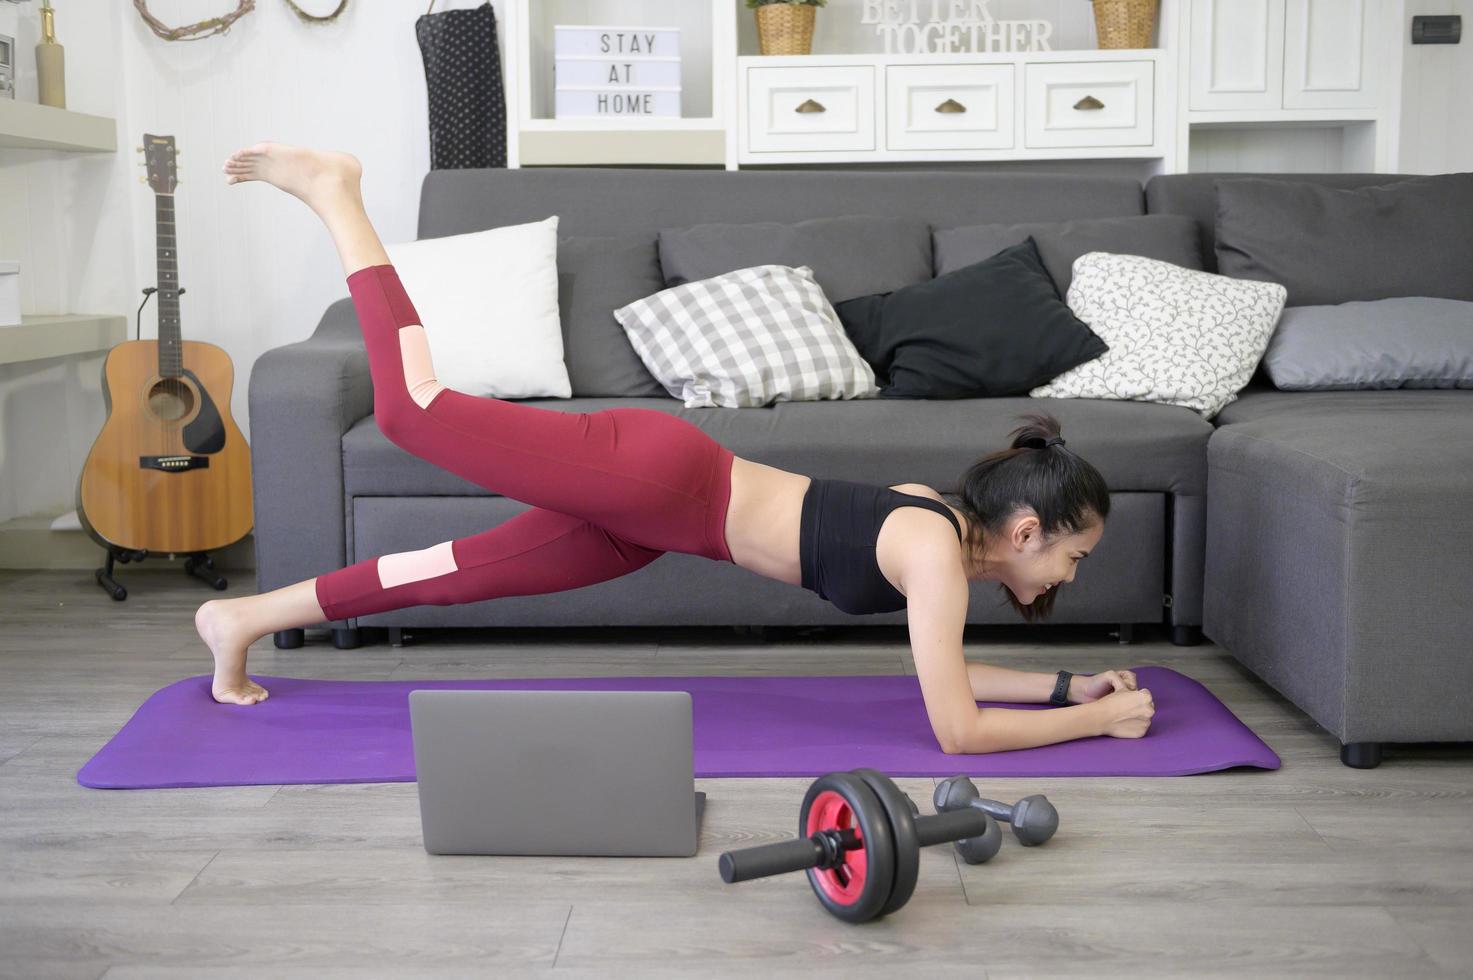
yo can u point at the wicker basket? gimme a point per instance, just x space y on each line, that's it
1125 23
785 28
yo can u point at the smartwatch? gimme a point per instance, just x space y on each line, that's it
1060 697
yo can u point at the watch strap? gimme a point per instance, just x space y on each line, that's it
1060 697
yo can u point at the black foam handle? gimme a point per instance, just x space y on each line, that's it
770 859
949 826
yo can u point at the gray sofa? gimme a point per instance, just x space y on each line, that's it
1301 608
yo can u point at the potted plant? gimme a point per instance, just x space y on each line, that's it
785 26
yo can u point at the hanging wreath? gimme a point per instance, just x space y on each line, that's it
221 25
193 32
313 18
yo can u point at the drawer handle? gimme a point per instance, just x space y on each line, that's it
1089 102
811 106
951 105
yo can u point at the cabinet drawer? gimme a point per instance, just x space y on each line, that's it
1105 103
949 107
811 108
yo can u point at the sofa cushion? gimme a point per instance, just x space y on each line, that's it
747 338
1310 407
1168 237
1177 336
628 201
996 327
596 276
1195 196
1326 245
1136 445
852 255
1401 342
488 305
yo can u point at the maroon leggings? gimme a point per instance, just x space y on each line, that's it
610 491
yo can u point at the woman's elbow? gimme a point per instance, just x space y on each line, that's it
956 743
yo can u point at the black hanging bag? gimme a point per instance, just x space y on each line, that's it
463 81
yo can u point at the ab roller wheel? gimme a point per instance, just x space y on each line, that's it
856 885
861 839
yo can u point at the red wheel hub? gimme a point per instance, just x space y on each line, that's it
845 881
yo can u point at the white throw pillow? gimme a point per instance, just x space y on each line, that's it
489 304
1176 335
747 338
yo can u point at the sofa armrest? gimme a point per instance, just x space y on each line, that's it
302 398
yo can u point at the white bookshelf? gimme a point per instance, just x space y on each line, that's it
29 126
36 338
699 136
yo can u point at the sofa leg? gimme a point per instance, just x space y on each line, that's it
1186 636
1126 633
346 639
396 636
1361 755
288 639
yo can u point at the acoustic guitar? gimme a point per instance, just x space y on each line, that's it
170 470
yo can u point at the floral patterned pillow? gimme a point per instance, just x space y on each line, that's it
1177 336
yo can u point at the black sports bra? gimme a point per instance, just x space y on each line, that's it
836 542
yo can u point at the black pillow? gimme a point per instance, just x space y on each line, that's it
990 329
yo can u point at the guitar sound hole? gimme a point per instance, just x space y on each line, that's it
170 399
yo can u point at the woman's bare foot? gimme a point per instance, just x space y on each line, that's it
315 176
227 639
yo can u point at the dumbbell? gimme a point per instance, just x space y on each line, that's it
1033 818
860 844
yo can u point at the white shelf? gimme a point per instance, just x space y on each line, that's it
536 137
595 124
38 337
28 126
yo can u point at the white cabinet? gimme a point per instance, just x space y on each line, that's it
1237 54
988 106
1328 59
949 107
1283 54
1315 82
827 107
1090 104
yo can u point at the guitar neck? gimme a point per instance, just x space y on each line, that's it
171 360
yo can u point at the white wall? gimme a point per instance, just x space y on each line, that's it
1437 83
257 265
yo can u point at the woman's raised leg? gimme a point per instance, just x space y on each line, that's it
537 551
643 474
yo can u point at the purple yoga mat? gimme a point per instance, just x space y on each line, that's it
358 732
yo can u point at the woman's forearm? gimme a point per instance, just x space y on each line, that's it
1004 729
991 683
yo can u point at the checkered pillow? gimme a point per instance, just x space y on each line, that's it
746 339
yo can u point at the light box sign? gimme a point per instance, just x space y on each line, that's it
616 72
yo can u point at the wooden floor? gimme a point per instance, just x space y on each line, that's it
1313 869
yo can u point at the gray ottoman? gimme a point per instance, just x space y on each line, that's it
1340 558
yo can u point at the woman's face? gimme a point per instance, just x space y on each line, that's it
1032 565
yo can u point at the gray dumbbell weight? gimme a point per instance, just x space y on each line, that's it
1033 818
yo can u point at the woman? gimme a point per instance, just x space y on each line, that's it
613 490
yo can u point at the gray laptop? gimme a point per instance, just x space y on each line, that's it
556 772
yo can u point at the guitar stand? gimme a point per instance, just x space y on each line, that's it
198 563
